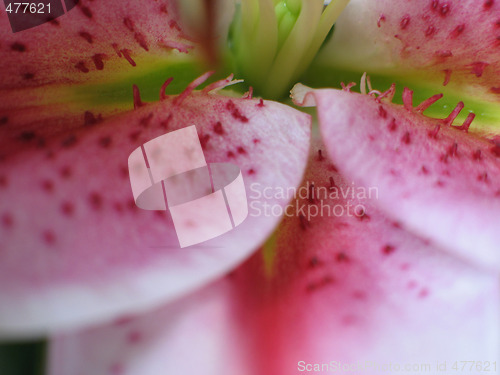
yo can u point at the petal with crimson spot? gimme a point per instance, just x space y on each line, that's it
96 41
455 41
438 180
342 288
74 248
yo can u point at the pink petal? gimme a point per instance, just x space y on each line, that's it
194 335
94 41
342 288
349 288
451 41
436 179
75 249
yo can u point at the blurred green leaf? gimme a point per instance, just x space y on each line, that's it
24 358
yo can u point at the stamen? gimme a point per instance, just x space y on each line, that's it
137 97
453 115
164 96
274 41
221 84
466 124
408 99
348 87
249 93
428 102
369 83
362 84
389 94
189 89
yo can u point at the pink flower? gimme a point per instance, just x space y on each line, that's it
384 258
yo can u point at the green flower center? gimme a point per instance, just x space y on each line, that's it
274 41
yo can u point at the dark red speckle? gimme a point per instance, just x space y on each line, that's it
105 142
145 121
90 119
320 155
444 53
69 141
3 181
95 200
444 9
49 237
82 67
218 129
134 337
66 172
129 24
28 76
362 216
342 258
86 11
139 38
18 47
434 4
380 20
477 155
478 68
241 150
488 4
230 154
430 31
126 55
314 262
134 136
392 125
382 112
311 287
483 177
406 138
453 150
98 61
405 21
67 208
4 120
458 30
27 136
85 35
235 112
204 138
495 150
7 220
424 292
303 222
388 249
251 171
48 186
174 25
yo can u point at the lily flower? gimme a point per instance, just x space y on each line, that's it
371 240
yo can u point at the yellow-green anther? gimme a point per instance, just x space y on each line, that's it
274 41
294 6
285 26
